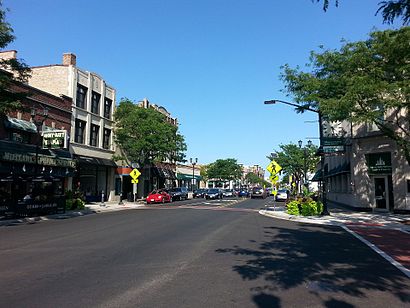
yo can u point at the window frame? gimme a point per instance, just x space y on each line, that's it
95 102
106 139
81 103
79 126
94 135
107 111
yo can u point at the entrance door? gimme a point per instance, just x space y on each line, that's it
381 195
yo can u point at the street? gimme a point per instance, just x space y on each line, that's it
192 256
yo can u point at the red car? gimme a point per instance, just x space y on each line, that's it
158 196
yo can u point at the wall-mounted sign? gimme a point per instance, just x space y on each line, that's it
378 163
55 139
42 159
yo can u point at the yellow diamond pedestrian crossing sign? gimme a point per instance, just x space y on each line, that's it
134 181
273 167
135 174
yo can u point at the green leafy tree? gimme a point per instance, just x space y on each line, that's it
363 82
252 178
204 172
224 170
11 70
145 136
292 160
390 10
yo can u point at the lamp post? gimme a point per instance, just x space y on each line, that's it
322 157
193 162
38 125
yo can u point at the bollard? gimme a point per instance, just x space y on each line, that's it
102 198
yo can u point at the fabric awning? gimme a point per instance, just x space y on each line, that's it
164 172
20 125
86 160
183 176
317 177
345 168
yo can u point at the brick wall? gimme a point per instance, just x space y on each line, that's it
52 79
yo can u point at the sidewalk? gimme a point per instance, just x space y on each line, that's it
340 217
90 208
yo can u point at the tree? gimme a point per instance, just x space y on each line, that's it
11 70
252 178
292 160
224 170
145 136
363 82
390 10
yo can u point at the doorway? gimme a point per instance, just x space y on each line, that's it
381 193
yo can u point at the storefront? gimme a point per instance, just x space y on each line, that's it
32 179
94 177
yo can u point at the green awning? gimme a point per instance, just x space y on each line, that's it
183 176
317 177
20 125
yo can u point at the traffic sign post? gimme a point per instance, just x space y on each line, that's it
135 175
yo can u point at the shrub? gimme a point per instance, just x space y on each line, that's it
78 204
293 208
69 204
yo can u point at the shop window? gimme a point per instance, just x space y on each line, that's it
408 186
79 131
20 137
106 141
81 96
95 103
94 135
107 108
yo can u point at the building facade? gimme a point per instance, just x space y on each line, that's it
36 166
93 104
371 174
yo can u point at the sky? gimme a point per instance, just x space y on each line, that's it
210 63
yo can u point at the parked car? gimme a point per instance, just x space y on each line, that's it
243 193
199 193
228 193
158 196
282 195
258 192
214 193
179 193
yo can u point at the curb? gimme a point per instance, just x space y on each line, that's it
300 219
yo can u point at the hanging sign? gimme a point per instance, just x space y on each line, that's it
55 139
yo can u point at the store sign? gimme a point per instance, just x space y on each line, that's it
42 160
378 163
56 139
330 149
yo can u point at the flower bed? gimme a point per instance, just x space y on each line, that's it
304 206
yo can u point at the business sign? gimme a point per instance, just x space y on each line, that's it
329 149
41 159
55 139
378 163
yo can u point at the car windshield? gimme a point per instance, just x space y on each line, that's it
282 191
175 189
213 191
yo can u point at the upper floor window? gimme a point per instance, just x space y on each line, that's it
95 103
106 141
79 131
94 135
107 108
81 100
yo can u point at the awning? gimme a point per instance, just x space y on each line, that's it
317 177
164 172
183 176
23 125
86 160
345 168
26 154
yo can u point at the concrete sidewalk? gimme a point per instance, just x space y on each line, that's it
342 217
90 208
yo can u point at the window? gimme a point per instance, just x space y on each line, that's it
95 103
107 108
79 131
81 96
94 135
408 186
106 141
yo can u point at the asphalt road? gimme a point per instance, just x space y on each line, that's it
192 257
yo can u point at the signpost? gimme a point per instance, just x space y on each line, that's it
134 175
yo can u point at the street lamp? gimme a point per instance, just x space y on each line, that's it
322 157
38 125
193 162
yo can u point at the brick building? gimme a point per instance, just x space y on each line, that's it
28 167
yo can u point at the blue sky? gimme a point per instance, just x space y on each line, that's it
211 63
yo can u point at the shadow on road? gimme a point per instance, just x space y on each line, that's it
324 263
